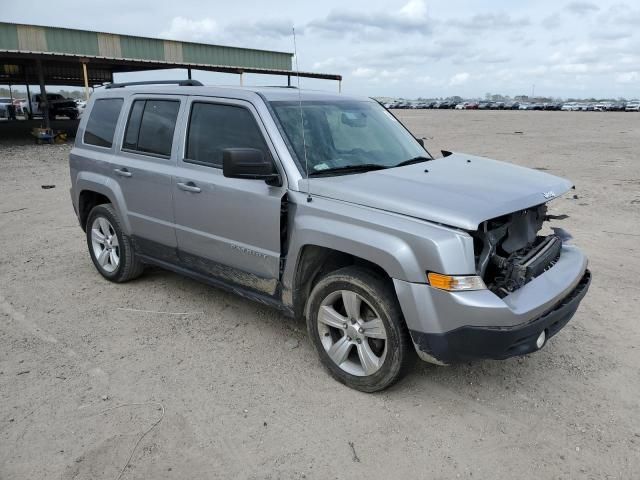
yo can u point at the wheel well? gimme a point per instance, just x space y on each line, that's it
314 262
87 201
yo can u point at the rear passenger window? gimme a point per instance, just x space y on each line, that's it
102 122
213 127
151 125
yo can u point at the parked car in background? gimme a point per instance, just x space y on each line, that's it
618 107
4 106
633 106
58 106
471 106
461 106
570 107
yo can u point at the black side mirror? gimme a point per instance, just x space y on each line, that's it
249 163
420 141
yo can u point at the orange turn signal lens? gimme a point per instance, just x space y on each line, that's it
455 282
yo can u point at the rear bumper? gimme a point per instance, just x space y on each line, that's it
471 342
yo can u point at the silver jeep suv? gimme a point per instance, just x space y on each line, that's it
327 208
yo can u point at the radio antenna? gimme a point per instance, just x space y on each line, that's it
304 141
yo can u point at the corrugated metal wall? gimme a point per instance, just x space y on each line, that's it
230 56
8 36
109 45
32 38
80 42
144 48
71 41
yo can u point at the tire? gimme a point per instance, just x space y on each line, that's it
373 313
119 263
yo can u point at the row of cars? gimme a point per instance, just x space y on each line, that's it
632 106
58 106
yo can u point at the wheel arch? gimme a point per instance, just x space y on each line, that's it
94 189
313 261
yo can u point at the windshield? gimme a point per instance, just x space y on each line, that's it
341 134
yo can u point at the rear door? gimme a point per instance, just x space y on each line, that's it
226 227
143 169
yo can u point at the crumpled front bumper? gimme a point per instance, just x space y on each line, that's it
451 326
498 343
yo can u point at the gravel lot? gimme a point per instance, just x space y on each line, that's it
86 366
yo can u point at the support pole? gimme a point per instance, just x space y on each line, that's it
189 73
339 86
43 95
86 81
30 115
288 80
241 82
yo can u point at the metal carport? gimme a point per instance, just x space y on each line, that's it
33 54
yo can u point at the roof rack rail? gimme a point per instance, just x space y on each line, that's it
181 83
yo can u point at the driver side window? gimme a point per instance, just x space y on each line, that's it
214 127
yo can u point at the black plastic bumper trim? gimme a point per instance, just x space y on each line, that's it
498 343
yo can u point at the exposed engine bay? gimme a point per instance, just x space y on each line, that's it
510 252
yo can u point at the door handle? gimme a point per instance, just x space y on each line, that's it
189 187
123 172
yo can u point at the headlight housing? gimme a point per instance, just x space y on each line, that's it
455 283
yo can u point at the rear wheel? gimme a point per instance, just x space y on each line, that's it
355 324
111 250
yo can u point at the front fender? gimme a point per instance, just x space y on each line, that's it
404 247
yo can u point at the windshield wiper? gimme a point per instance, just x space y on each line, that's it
363 167
413 160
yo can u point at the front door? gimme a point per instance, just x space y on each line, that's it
226 227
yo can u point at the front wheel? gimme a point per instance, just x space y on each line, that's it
356 326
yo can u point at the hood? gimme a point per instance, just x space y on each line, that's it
459 190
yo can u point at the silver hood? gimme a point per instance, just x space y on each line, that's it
459 190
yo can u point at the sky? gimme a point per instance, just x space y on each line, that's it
405 48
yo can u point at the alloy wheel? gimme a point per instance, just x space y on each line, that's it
352 333
104 242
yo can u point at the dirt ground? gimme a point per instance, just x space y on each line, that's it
86 367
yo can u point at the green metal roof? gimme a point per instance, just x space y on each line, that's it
54 40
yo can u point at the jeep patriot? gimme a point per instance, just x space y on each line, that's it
326 207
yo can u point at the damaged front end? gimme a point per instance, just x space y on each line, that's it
510 251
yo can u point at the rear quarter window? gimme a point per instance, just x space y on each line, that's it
151 126
102 122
